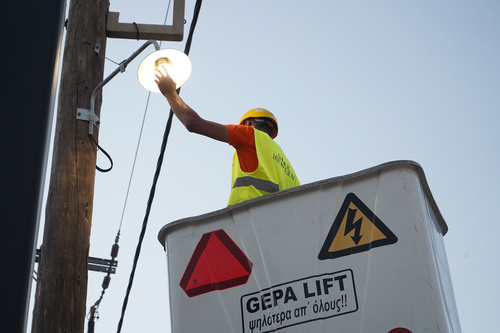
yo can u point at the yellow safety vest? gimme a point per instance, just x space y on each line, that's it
274 172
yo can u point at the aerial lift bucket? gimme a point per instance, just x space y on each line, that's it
357 253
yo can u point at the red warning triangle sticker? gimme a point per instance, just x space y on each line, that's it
217 263
355 229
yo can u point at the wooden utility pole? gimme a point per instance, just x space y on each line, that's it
61 294
60 304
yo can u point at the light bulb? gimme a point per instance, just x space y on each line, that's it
175 62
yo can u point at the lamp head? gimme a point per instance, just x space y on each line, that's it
174 61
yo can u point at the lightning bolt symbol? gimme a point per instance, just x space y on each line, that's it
351 225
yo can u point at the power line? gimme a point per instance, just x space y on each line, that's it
157 174
93 312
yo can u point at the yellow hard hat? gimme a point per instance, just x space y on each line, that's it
261 113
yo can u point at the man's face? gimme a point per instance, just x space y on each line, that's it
261 124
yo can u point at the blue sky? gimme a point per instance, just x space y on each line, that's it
353 83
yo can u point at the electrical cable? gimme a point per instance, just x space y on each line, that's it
156 175
139 141
94 310
105 153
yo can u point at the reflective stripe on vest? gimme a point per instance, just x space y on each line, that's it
259 184
274 172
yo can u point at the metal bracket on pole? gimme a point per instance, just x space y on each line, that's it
91 117
174 32
94 264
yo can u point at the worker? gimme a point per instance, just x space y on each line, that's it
259 165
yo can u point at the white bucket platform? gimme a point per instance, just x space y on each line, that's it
357 253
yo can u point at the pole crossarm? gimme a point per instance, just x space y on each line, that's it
94 264
174 32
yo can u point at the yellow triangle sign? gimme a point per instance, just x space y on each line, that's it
355 229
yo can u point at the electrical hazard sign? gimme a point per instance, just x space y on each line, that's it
355 229
217 263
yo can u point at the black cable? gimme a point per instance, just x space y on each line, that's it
136 30
157 175
105 153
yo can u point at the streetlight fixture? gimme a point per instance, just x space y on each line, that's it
176 62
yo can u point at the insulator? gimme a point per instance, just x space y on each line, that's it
91 321
114 250
105 282
91 325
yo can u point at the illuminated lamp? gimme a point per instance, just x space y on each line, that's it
175 62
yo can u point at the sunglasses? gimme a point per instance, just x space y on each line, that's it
263 121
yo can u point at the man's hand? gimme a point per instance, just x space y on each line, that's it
164 81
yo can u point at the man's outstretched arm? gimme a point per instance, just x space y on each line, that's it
187 116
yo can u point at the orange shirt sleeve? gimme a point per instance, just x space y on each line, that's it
242 138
